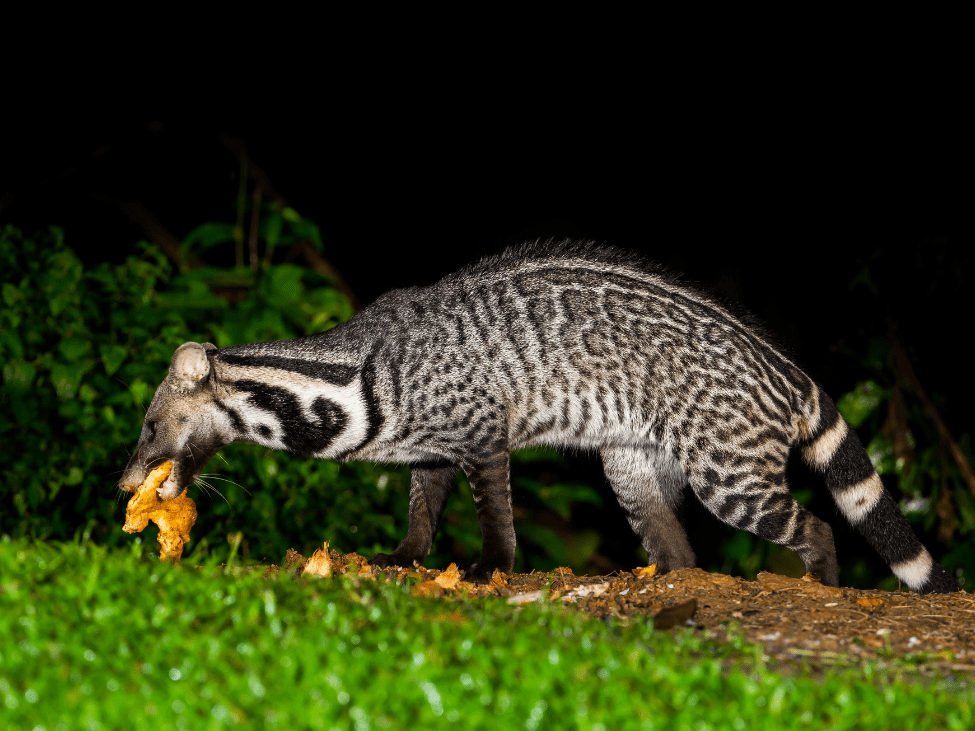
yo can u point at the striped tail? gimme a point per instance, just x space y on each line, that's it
830 446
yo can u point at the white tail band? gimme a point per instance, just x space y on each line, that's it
820 452
916 571
858 500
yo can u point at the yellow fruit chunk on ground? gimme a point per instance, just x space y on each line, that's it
869 601
319 564
449 578
175 517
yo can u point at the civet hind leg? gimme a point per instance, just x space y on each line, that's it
760 502
649 484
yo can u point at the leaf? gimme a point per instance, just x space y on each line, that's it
803 496
207 236
581 546
546 539
73 348
218 277
66 377
63 274
862 401
197 296
112 357
560 496
271 229
75 475
739 547
18 375
536 454
9 340
24 409
11 294
307 230
140 391
284 288
290 215
881 453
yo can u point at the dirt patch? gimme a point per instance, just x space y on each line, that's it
796 619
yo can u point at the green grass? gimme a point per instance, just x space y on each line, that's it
99 639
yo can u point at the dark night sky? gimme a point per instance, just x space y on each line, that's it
775 214
408 202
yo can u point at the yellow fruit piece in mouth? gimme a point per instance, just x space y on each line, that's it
174 517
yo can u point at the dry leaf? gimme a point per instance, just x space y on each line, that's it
427 588
672 616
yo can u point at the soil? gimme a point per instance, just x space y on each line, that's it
797 620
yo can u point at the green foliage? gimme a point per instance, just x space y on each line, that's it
862 401
105 638
279 226
70 340
904 443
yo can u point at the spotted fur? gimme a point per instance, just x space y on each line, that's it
569 345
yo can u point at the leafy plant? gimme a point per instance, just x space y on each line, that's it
911 447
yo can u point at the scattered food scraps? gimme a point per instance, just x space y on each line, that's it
319 564
449 578
529 596
584 591
869 601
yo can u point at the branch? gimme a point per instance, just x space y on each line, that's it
260 178
154 230
167 242
906 372
322 265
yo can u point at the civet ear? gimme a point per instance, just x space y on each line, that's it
190 367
